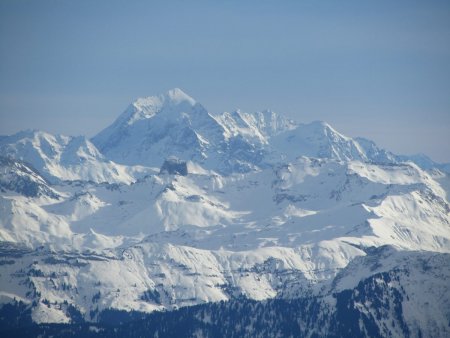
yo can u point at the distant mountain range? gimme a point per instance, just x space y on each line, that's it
173 206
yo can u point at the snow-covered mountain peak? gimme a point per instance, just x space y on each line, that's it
34 146
59 157
80 149
173 123
39 146
318 139
256 127
176 95
36 138
155 127
323 128
273 123
172 97
147 107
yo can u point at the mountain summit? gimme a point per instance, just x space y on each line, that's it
155 127
318 139
64 158
174 124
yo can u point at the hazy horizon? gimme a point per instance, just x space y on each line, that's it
377 70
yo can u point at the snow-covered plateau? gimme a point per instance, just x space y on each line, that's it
173 206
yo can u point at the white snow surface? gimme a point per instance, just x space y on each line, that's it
268 208
66 158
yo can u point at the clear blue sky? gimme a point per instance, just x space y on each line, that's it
379 69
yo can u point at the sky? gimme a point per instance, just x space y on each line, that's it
377 69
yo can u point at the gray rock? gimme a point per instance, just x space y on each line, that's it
174 166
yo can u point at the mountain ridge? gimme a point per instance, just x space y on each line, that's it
213 208
249 131
227 142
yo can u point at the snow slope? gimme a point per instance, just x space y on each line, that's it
169 240
60 158
254 205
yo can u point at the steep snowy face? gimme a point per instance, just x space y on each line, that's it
156 127
174 124
59 158
374 153
271 123
35 147
256 128
317 139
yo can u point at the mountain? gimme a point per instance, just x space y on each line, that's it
23 179
318 139
258 127
390 294
172 206
59 158
173 240
154 127
174 124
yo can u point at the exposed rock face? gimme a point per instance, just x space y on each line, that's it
174 166
22 178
